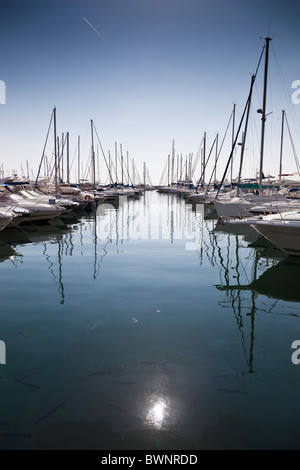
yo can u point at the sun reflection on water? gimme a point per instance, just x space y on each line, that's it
158 412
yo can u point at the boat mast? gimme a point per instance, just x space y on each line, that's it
58 162
55 150
127 159
281 147
122 168
232 140
62 157
78 159
245 131
263 112
133 172
203 160
68 160
216 159
93 157
172 168
116 160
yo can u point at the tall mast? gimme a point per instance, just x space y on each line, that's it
203 159
55 149
62 157
281 146
122 166
128 177
246 128
172 167
58 162
68 159
116 160
109 165
263 112
216 159
133 172
93 157
232 140
78 159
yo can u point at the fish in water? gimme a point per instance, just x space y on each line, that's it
229 390
22 333
101 372
119 408
15 434
28 384
94 326
49 413
29 375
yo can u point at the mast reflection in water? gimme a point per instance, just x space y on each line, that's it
143 326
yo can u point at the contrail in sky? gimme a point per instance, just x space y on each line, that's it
94 28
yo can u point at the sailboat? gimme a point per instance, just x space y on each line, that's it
283 230
6 217
262 191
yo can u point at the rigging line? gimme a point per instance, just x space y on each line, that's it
198 155
138 175
58 162
112 165
207 160
162 178
75 154
196 161
87 171
284 86
293 147
222 143
60 156
240 125
127 171
232 150
110 175
35 185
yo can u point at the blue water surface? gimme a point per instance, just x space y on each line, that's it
147 326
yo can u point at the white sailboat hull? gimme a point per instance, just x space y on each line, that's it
283 230
286 236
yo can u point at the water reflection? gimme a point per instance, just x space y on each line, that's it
280 281
161 218
249 273
138 335
157 412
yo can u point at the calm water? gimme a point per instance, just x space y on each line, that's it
153 328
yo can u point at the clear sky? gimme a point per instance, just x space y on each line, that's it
146 72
